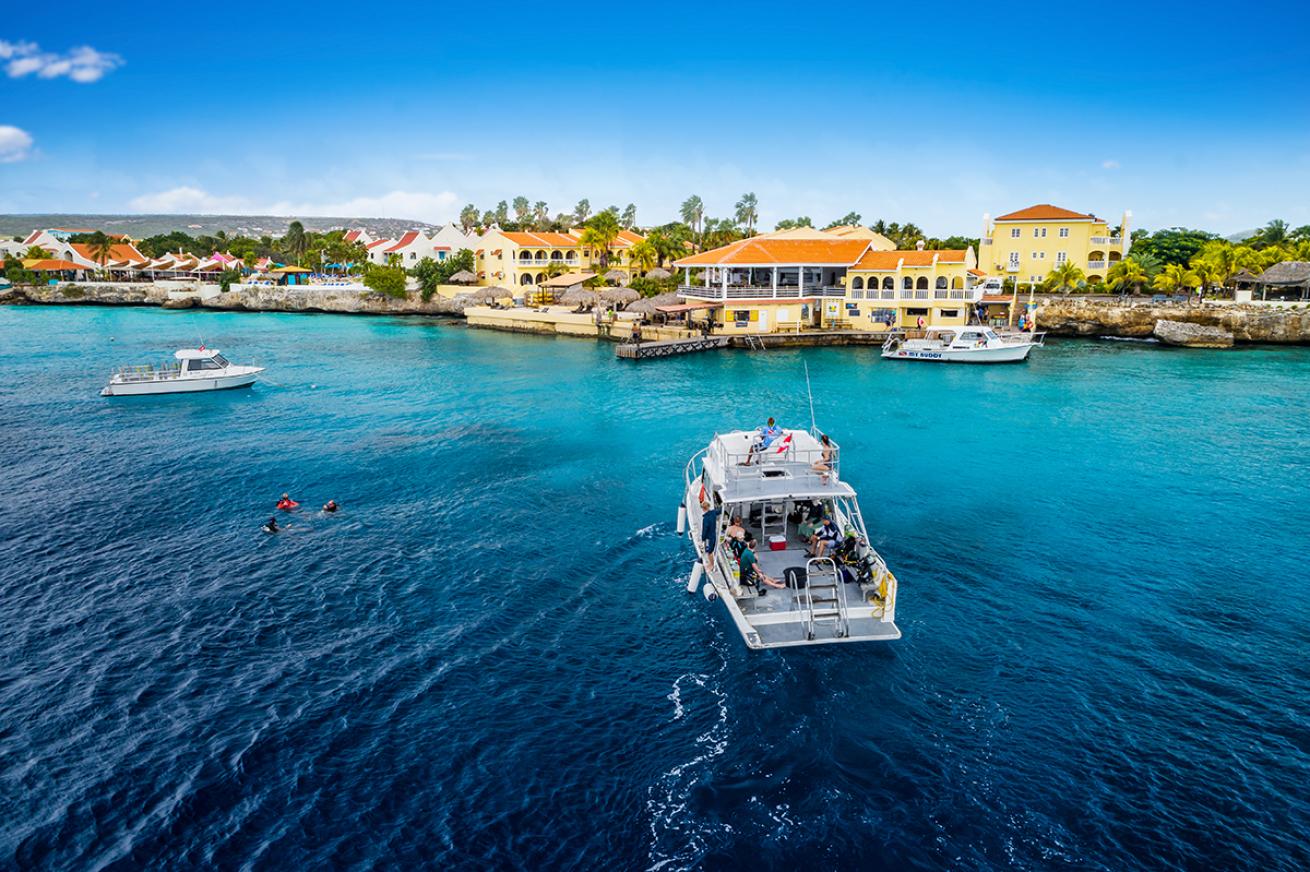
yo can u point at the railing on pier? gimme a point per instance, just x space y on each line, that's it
757 292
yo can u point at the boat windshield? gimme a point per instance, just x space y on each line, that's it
221 360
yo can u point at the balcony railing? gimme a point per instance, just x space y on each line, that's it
986 240
1096 264
756 292
1107 240
1012 267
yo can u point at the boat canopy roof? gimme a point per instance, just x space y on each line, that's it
783 470
195 353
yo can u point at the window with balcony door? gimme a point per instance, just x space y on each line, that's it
1014 258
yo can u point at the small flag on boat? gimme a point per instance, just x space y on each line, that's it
784 444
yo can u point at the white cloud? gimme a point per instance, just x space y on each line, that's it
82 64
416 205
1110 164
15 144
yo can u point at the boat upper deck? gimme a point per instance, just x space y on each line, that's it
792 466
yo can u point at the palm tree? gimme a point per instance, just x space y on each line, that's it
1274 232
600 234
1127 273
541 213
693 212
294 241
1065 276
581 211
101 247
522 210
629 216
468 218
644 256
1208 273
748 212
1175 278
36 252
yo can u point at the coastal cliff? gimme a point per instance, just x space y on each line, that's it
1077 316
251 298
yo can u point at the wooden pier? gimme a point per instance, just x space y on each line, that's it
669 347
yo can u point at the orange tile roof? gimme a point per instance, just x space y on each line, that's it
626 238
119 251
407 239
541 240
887 260
768 252
1045 212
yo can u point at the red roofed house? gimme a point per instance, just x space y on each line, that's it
1027 244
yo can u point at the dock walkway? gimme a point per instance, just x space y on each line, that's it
668 347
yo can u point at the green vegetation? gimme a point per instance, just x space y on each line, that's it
389 281
433 273
72 292
1064 277
600 233
792 223
299 246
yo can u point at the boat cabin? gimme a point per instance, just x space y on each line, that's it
200 360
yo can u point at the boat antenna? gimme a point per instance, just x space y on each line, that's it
809 393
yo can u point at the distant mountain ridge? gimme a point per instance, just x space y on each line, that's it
141 226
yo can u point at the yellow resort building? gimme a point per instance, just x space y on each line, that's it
515 260
780 284
1027 244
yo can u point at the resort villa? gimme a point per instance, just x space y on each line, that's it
811 279
1027 244
414 245
521 259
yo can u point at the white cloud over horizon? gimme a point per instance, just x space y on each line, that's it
15 144
82 64
414 205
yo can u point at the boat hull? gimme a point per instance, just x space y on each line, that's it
1006 354
179 386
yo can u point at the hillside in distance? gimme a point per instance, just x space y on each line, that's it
141 226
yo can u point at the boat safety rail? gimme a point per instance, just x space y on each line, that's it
749 464
146 372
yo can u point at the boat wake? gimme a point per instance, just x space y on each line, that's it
677 838
1143 340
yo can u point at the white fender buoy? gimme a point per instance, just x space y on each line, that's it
710 595
696 572
682 518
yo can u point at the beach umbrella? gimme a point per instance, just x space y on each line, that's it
578 296
484 295
658 273
615 275
463 277
641 307
619 295
666 299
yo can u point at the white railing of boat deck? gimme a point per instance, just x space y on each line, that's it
734 464
147 373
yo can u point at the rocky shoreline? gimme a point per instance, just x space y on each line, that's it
1058 316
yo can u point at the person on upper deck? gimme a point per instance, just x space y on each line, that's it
823 466
767 435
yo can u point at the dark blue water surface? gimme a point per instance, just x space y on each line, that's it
488 658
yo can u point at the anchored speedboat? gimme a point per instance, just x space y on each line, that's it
977 344
195 369
782 492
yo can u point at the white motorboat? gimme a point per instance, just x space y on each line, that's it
195 369
848 595
976 344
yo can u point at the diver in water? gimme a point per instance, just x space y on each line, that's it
271 526
330 506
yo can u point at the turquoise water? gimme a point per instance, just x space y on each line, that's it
488 657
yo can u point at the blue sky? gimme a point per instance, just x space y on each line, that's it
1184 113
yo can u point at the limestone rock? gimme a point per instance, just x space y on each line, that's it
1190 335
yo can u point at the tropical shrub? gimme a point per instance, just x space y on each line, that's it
388 281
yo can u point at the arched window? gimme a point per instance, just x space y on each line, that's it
907 283
557 255
541 255
541 277
923 283
857 284
941 283
957 283
525 279
889 283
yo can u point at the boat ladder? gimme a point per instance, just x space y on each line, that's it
824 598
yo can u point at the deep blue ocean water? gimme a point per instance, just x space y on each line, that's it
488 658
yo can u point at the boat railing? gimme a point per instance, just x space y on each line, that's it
147 372
746 465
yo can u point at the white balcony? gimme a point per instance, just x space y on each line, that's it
986 240
1107 240
1096 264
756 292
1012 267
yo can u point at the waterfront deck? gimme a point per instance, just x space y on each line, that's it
669 347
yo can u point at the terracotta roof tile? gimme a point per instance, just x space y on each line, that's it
119 251
540 240
1045 212
404 241
767 252
887 260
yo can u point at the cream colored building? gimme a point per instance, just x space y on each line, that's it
520 259
1027 244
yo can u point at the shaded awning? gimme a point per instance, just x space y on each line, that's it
687 307
53 265
566 280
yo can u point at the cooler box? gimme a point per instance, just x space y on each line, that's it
778 543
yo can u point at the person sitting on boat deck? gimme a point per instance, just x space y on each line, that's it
825 538
330 506
823 466
751 574
735 536
766 436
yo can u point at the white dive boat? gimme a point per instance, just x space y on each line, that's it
196 369
976 344
846 596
